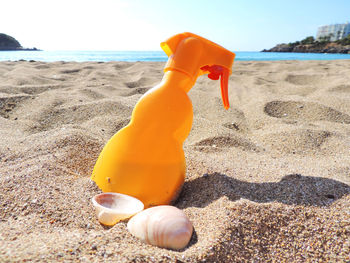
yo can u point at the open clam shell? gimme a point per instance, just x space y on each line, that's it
113 207
163 226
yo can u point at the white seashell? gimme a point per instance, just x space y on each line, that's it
163 226
113 207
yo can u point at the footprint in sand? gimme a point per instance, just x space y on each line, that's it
287 90
139 83
140 86
216 144
53 117
70 71
260 64
42 66
263 81
8 104
304 79
341 89
122 65
309 111
38 89
30 89
92 94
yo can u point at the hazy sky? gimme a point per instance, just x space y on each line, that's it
239 25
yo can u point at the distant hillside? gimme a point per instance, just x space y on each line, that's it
310 45
9 43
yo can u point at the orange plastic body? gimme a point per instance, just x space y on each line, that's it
145 159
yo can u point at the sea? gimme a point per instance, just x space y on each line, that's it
133 56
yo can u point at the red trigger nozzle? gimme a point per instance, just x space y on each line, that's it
215 72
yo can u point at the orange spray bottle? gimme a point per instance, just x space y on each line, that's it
145 159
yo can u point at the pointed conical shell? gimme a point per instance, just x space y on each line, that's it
113 207
162 226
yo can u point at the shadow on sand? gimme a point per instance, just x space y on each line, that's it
293 189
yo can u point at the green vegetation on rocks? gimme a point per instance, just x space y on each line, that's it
310 45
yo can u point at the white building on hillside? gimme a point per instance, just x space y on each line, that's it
336 31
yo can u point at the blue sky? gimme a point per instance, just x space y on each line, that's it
239 25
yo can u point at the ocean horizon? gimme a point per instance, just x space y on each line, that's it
133 56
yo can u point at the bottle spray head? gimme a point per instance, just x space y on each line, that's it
194 55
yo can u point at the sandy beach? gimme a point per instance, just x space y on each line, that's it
267 180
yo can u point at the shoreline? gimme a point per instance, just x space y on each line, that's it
101 56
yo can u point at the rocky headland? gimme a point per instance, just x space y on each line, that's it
8 43
310 45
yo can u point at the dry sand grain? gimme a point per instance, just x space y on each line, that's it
267 181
